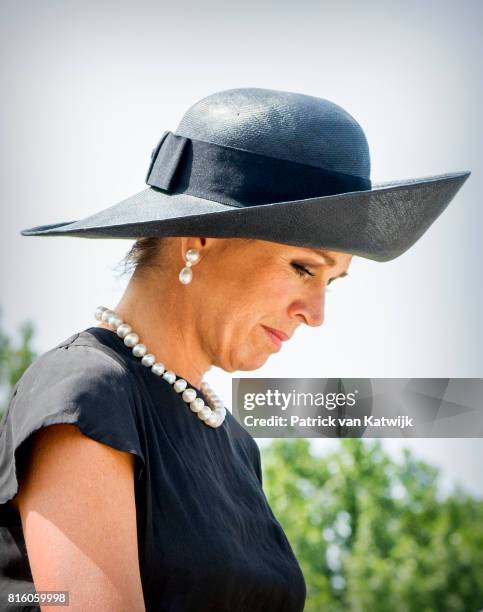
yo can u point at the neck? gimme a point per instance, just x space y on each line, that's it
165 323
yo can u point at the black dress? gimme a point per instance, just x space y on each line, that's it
207 538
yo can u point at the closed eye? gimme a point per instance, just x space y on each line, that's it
301 270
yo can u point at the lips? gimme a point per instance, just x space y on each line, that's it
280 334
276 336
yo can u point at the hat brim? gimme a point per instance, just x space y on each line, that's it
379 224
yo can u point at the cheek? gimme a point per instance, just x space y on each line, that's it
240 332
275 298
265 307
269 291
241 303
237 338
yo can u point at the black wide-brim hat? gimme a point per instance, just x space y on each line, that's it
277 166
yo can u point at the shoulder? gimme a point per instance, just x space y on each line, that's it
80 380
79 350
75 366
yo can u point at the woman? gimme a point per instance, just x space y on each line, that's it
124 479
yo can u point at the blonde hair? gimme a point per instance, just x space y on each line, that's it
144 253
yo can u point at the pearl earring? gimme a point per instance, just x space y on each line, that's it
186 274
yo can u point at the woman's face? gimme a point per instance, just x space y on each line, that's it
250 287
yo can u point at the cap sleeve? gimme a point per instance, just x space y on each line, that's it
74 384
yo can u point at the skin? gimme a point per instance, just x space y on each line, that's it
77 506
237 287
86 543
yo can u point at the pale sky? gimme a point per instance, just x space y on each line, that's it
88 88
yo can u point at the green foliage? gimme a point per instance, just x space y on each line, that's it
371 534
15 358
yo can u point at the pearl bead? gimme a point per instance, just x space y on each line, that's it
99 311
217 403
189 395
106 314
221 418
131 340
212 420
123 330
158 368
148 360
180 385
139 350
192 255
197 404
169 376
114 321
185 276
204 413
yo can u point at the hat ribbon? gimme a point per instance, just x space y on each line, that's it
240 178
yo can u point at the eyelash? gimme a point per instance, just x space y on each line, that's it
302 271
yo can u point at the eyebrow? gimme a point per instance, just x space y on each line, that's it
329 261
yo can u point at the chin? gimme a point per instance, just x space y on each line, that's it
245 361
257 361
244 365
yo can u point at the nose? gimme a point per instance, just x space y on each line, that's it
310 309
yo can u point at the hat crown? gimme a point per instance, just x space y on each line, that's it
281 124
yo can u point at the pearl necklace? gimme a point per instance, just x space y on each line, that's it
214 415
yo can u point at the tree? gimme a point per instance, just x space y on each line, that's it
15 358
372 534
